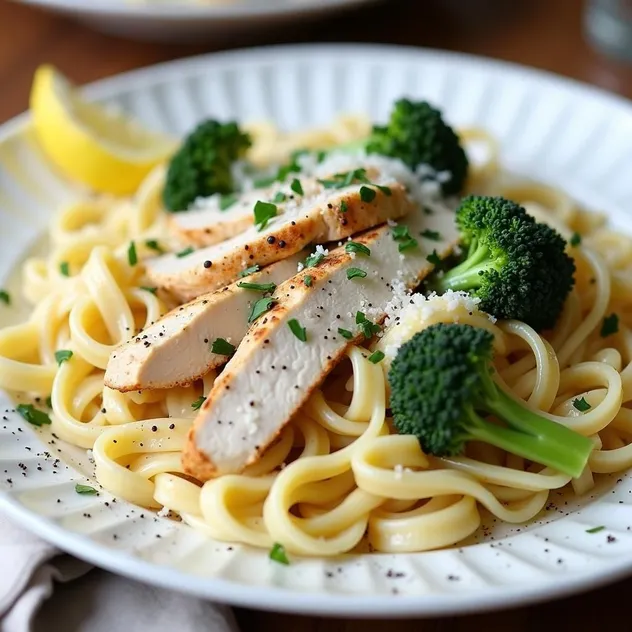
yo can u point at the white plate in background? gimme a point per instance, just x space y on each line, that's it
188 21
549 128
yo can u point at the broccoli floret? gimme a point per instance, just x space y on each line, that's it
202 166
442 388
517 267
417 135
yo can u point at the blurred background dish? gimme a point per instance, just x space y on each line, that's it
185 21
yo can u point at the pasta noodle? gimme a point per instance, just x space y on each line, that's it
338 477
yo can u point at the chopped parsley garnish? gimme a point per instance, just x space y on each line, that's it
258 287
342 180
434 258
345 333
286 170
279 198
595 529
132 257
264 212
297 330
401 232
368 328
409 244
610 325
151 290
435 235
367 195
49 402
297 187
581 405
428 211
278 554
307 279
261 183
222 347
86 490
260 307
197 404
63 355
5 297
355 273
343 206
386 190
248 271
33 415
64 268
376 357
185 253
226 201
358 248
576 239
152 244
313 260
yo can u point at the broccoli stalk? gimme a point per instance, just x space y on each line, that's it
516 266
203 164
417 135
442 387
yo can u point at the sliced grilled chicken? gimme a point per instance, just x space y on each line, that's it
332 215
222 217
274 372
177 349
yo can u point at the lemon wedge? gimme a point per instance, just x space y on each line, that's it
104 150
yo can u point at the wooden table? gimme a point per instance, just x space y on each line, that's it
542 33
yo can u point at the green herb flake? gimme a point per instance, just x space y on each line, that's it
355 273
262 183
308 279
186 252
226 201
279 198
313 260
260 307
264 212
575 240
428 211
64 268
248 271
257 287
222 347
376 357
343 206
33 415
409 244
278 554
610 325
434 235
386 190
401 233
85 490
357 248
151 290
368 328
152 244
5 297
581 405
343 180
367 194
595 529
63 355
297 330
49 402
434 258
345 333
132 256
197 404
297 187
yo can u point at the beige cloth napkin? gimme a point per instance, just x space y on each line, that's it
42 589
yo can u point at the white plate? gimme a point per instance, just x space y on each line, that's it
549 128
186 21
